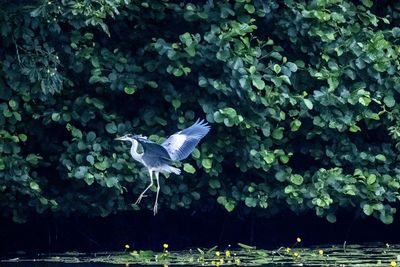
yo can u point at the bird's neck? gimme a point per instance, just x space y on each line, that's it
134 153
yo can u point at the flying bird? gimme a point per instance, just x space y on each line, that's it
158 158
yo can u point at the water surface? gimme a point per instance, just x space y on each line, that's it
340 255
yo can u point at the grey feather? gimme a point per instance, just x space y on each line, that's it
154 155
181 144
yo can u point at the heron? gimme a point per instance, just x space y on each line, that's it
159 157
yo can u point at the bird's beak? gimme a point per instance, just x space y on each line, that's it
119 138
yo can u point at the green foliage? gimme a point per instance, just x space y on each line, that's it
301 97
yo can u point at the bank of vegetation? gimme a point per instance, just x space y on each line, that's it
301 95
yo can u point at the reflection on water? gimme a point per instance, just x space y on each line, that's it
341 255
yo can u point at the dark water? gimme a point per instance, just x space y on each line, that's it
372 255
90 264
56 264
182 230
86 264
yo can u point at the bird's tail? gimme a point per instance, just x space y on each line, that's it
174 170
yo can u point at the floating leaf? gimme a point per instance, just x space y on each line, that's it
247 247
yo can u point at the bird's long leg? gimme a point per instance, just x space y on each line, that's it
147 188
158 191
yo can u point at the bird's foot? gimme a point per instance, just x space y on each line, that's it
140 198
155 209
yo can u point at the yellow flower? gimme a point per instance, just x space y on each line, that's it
217 253
227 253
393 263
296 254
165 246
221 261
288 250
213 263
237 261
320 252
127 246
298 240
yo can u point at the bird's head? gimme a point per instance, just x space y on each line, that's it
127 137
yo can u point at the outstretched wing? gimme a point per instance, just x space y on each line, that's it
181 144
154 155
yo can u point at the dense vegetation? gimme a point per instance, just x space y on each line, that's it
301 96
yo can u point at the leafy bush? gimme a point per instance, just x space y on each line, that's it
301 96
